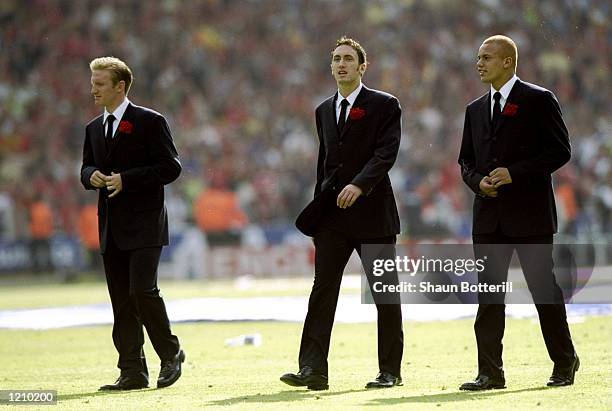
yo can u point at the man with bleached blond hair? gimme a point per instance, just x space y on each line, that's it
129 156
514 138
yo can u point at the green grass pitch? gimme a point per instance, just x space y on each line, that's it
438 357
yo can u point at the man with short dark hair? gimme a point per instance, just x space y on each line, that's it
129 156
514 138
359 133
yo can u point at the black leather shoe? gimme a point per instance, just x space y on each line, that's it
384 380
562 376
483 382
126 383
306 377
170 370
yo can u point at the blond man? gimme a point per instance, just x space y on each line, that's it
514 138
128 157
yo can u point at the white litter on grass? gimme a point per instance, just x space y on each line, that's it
292 309
244 339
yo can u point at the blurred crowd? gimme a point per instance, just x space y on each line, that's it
239 80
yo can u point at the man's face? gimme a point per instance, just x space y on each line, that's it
491 64
345 65
104 92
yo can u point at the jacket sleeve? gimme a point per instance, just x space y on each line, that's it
320 158
385 152
88 166
165 166
467 157
556 148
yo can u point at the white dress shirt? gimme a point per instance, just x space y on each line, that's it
350 98
118 113
505 92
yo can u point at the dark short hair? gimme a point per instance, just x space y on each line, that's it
347 41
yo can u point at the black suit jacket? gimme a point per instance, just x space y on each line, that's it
362 155
147 159
531 140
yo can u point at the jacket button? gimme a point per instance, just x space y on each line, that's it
340 143
341 165
495 159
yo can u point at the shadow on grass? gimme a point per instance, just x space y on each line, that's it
455 396
282 396
81 395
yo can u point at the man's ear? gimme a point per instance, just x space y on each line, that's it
362 68
508 62
121 84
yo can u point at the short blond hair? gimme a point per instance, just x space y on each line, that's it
118 69
506 45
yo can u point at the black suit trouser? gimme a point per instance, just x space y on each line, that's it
332 252
535 256
131 276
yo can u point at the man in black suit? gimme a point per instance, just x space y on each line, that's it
129 156
359 135
514 138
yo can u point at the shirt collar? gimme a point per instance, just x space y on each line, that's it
506 88
119 111
351 97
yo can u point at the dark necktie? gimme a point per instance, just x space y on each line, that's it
342 120
496 109
109 131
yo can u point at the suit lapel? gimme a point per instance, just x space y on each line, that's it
98 142
358 100
514 93
329 122
119 136
485 112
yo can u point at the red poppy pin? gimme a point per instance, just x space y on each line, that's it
510 110
356 113
125 127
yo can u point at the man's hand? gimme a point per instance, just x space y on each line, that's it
500 176
97 179
113 183
487 187
348 196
